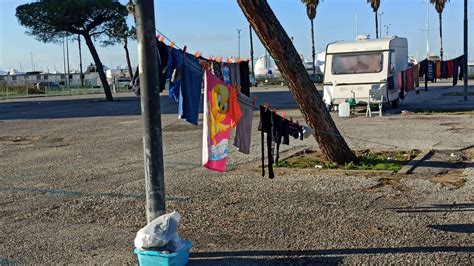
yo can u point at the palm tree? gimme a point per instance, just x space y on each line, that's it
375 4
311 6
439 5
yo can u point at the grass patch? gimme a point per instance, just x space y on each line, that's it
368 160
446 111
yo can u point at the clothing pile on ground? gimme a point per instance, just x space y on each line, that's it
227 104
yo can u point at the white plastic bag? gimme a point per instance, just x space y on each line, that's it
159 232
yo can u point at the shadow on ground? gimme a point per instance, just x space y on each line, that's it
305 257
455 207
455 228
121 106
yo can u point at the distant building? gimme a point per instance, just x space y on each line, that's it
31 78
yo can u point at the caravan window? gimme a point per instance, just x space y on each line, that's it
357 63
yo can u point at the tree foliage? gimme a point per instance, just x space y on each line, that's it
311 6
439 4
375 4
49 20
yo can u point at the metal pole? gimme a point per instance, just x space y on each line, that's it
67 58
465 50
238 35
80 59
380 24
64 56
150 100
251 50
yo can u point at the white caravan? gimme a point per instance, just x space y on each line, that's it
359 69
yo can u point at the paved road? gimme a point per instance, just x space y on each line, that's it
71 185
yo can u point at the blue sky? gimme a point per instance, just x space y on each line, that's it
210 26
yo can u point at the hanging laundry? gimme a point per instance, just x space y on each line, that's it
175 65
265 127
216 70
416 75
190 92
410 83
226 73
221 112
461 64
455 71
135 83
243 132
450 68
163 55
401 83
444 69
244 78
282 130
438 69
234 73
423 68
430 75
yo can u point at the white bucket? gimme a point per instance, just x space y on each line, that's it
344 110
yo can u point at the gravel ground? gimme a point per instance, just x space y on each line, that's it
72 192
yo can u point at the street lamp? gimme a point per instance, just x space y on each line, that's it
238 34
386 28
380 24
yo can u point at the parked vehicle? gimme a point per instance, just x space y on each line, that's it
359 69
253 81
47 85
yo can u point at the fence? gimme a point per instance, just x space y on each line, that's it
10 92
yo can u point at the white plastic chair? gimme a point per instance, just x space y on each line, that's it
375 94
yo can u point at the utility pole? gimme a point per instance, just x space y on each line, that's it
465 50
64 57
238 35
386 29
380 24
80 59
67 57
251 50
356 24
151 113
32 65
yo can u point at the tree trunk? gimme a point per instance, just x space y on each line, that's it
99 67
376 26
127 56
275 39
441 35
312 47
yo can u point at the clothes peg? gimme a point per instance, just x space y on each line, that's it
210 58
265 104
161 39
283 114
239 60
254 100
171 44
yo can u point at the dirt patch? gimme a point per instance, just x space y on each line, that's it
19 140
180 128
393 182
451 179
455 127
